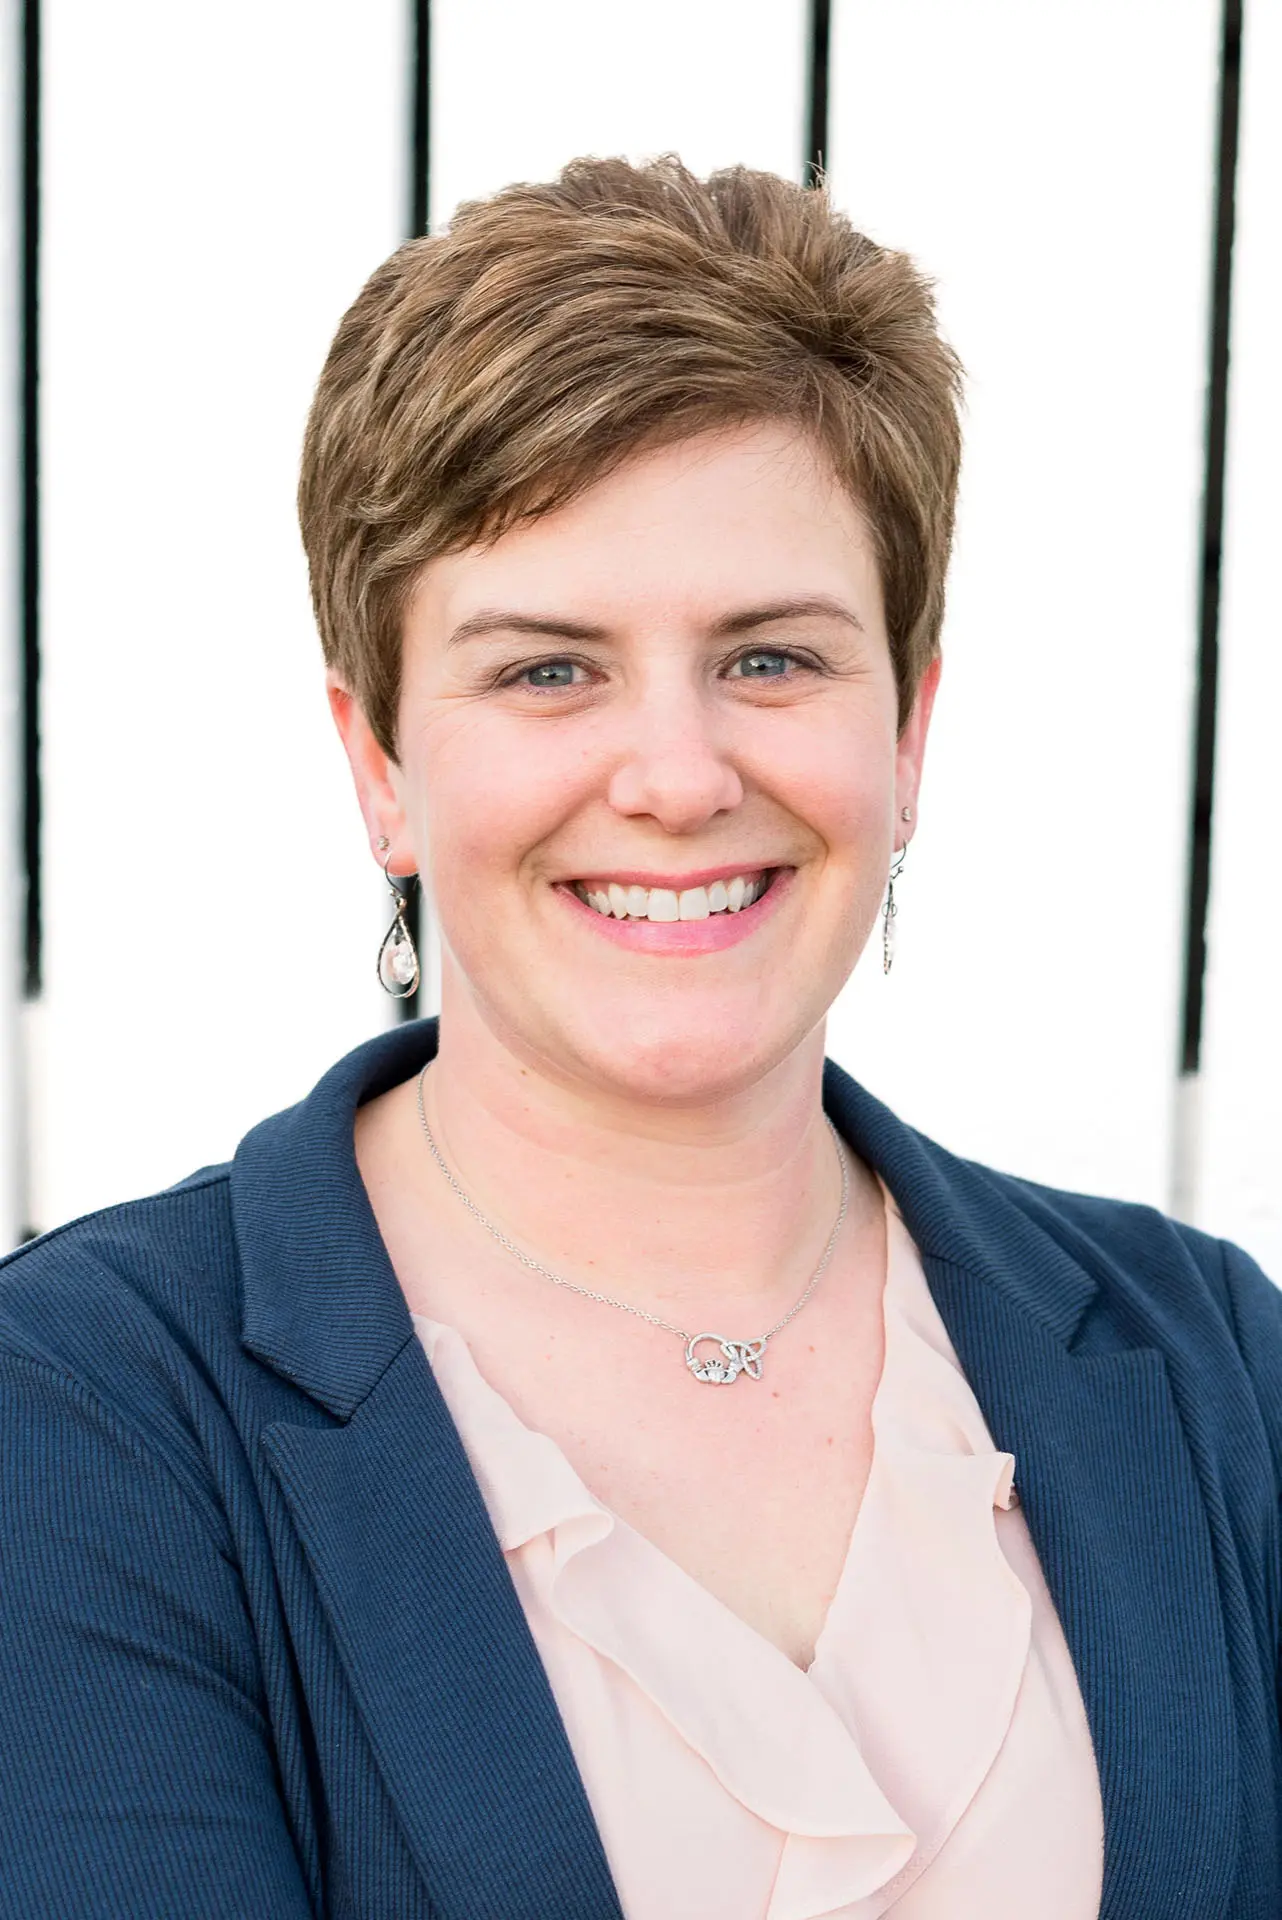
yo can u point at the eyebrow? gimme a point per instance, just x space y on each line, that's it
742 620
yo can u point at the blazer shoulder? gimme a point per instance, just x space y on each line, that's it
156 1248
138 1305
1177 1271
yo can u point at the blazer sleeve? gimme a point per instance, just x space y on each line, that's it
136 1769
1256 1305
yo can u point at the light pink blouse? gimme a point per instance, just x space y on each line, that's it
934 1761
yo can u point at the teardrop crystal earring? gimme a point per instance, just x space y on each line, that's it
891 910
398 969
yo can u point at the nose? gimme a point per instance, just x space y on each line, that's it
673 767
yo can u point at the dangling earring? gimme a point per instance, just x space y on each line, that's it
890 910
397 957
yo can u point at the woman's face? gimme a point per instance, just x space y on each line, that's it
669 700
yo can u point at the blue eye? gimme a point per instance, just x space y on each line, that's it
761 665
551 673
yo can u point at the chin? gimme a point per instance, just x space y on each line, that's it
679 1062
659 1081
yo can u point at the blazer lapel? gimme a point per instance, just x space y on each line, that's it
439 1658
1115 1509
1118 1520
431 1634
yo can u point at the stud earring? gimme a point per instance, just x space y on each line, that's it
398 969
890 910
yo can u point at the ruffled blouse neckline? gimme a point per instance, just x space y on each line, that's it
929 1624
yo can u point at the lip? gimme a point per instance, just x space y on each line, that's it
675 883
682 939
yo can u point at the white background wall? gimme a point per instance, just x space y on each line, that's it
219 182
1051 166
519 90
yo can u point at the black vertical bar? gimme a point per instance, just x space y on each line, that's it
816 154
420 130
29 342
419 204
1208 657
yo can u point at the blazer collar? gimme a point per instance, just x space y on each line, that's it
321 1304
962 1214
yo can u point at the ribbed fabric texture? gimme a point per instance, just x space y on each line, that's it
262 1656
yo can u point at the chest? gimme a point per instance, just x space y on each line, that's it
752 1488
759 1512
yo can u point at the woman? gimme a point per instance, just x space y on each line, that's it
567 1466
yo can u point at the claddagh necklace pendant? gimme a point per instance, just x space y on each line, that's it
736 1357
732 1359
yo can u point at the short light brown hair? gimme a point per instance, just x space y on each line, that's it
489 373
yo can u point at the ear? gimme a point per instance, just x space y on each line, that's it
911 750
376 777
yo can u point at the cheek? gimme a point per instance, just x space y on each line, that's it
837 778
491 794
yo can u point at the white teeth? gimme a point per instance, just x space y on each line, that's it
615 901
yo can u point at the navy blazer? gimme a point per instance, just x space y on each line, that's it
263 1656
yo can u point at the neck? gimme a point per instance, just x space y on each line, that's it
723 1204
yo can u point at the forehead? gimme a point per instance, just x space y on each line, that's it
686 530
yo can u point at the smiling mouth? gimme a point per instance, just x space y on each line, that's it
616 901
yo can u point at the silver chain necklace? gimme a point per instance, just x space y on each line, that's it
731 1357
